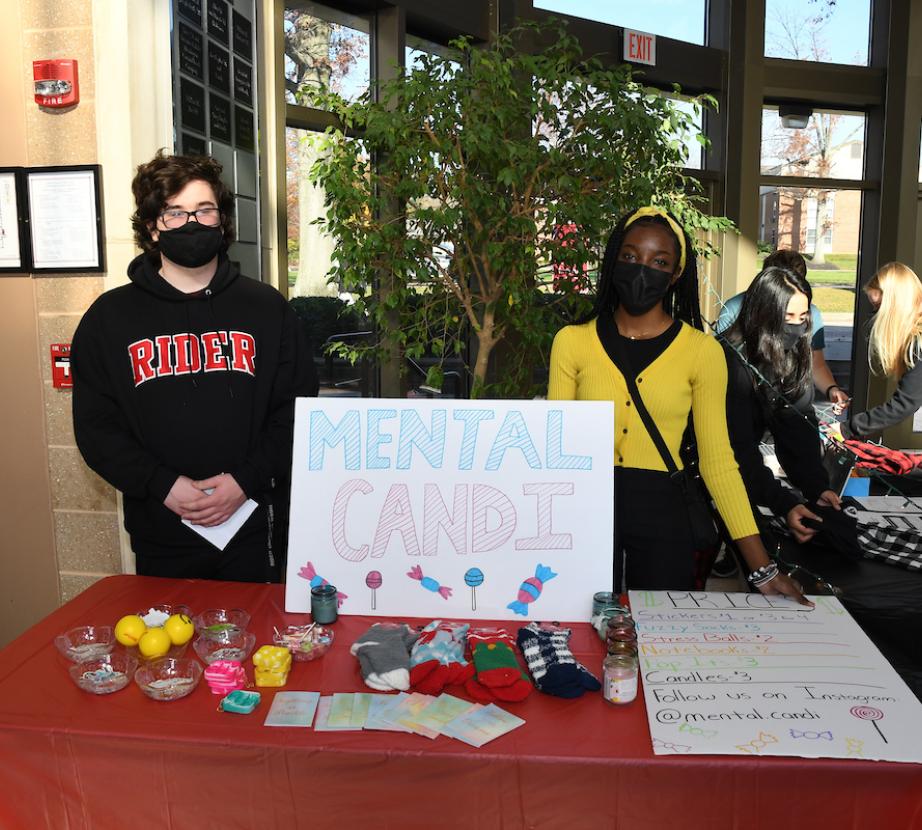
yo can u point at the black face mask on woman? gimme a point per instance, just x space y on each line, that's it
791 333
639 287
191 246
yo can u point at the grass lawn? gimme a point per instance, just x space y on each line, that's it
844 261
829 300
840 277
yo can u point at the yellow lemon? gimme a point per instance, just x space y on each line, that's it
180 629
130 629
155 643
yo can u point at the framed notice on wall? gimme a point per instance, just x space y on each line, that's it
14 230
65 218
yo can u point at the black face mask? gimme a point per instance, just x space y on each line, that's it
640 287
791 333
191 246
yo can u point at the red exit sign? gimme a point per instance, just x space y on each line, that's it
639 47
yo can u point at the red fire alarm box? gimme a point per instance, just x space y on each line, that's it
56 83
61 377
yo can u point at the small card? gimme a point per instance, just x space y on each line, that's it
378 710
341 711
360 703
443 710
321 722
407 712
480 726
293 709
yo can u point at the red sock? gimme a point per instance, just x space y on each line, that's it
494 657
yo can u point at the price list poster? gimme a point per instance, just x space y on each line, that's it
747 674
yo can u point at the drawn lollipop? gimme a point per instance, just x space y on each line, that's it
373 580
871 714
472 579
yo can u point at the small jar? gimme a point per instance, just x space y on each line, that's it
602 599
323 604
621 620
622 647
619 683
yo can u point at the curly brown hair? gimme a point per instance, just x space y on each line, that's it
791 260
164 176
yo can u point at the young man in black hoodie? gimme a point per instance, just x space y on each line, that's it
184 384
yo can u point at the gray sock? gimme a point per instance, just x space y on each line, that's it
384 656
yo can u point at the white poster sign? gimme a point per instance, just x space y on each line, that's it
470 509
747 674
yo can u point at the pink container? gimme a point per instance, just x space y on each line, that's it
225 676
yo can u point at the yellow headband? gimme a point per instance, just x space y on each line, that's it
655 211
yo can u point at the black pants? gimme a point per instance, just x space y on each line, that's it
653 545
253 555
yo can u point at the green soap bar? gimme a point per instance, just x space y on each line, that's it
240 702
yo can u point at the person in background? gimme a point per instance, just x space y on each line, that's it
769 387
822 376
646 327
185 381
895 292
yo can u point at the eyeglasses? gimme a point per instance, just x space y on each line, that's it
175 218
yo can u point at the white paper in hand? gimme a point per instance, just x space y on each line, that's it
220 535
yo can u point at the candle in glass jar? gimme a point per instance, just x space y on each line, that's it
323 604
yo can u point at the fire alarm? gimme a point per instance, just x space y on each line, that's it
56 83
60 366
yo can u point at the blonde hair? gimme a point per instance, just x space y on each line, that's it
895 335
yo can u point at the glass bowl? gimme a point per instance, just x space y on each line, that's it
104 675
88 642
231 644
155 616
218 620
305 642
168 678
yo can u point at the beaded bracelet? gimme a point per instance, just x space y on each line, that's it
764 574
829 389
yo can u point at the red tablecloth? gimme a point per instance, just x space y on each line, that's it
73 760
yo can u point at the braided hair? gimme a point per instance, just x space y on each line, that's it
681 301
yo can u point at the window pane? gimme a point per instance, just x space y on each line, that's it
326 313
324 49
679 19
830 146
830 31
824 226
417 48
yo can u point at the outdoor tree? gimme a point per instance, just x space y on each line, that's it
320 55
491 174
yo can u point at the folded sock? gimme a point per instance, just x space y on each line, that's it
552 665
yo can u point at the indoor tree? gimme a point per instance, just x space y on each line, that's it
482 189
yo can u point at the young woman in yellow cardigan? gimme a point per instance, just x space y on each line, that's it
647 321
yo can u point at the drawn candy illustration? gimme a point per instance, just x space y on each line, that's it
531 589
308 573
756 745
871 714
472 579
373 580
416 572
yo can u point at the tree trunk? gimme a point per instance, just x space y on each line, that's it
315 246
308 44
822 227
485 344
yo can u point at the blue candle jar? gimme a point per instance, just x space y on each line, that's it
323 604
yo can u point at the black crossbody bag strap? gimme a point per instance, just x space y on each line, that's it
616 352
